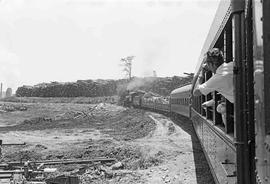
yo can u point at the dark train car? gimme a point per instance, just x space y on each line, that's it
137 100
147 103
162 107
237 145
180 100
156 104
134 98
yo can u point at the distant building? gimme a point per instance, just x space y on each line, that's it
8 92
154 73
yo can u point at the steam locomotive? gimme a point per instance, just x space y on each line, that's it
237 147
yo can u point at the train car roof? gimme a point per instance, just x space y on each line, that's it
223 13
182 89
137 92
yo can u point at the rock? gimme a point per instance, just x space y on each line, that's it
167 180
108 174
40 146
59 156
117 165
163 177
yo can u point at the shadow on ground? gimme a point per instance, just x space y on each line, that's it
201 165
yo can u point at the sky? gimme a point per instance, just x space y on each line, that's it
69 40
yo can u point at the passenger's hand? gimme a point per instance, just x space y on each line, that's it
205 68
200 80
209 103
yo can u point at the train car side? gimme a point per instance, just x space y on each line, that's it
155 105
216 132
180 100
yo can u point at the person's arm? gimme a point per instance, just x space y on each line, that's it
196 91
211 85
209 103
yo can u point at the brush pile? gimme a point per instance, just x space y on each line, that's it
98 88
86 88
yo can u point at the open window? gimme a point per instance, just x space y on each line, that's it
228 57
209 110
226 120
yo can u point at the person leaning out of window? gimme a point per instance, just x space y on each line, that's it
221 81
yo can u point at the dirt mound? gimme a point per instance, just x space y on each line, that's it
118 122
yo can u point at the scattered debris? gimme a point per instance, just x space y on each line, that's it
68 141
12 107
117 166
40 146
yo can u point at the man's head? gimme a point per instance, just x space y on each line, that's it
214 58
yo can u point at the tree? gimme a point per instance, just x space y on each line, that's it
126 63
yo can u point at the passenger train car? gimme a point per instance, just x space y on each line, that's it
237 146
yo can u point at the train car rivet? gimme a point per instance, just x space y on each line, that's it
265 160
265 179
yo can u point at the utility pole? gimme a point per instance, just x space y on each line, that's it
1 90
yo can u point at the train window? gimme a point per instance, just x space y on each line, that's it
209 110
202 100
228 57
217 116
196 103
199 104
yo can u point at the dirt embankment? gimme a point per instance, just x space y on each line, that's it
149 148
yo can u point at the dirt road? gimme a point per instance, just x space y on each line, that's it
184 161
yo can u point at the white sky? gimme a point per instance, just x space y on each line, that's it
67 40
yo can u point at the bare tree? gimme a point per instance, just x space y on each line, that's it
126 63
